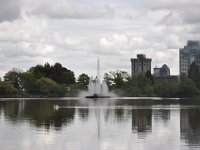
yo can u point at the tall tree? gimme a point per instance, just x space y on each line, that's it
194 73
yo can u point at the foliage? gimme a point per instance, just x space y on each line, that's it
194 74
167 88
139 85
29 83
57 72
15 78
116 79
7 89
149 76
188 88
41 80
83 81
144 85
48 87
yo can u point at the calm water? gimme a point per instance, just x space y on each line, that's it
109 124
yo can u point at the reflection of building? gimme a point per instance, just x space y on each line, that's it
161 114
142 120
190 125
141 64
187 55
164 71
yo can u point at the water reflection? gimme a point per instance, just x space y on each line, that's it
107 124
39 113
142 121
190 126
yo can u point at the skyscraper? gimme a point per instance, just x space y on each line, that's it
188 54
141 64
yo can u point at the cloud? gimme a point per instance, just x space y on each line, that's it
68 9
9 10
75 33
179 11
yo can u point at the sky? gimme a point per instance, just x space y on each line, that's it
76 33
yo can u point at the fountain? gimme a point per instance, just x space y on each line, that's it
97 89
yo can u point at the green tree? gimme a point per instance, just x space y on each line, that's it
167 88
188 88
131 88
144 84
29 83
149 76
83 80
57 72
116 79
15 78
69 77
194 73
37 71
7 89
48 87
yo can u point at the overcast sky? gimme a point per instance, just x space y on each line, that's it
78 32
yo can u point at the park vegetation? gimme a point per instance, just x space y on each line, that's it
57 81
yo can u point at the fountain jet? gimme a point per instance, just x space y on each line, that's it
97 89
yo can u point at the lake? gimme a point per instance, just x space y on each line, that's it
103 124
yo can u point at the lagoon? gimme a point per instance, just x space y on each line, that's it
103 124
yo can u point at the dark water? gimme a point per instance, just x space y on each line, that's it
109 124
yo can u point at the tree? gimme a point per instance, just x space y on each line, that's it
48 87
188 88
57 73
7 89
166 88
83 80
15 78
194 73
149 76
116 79
144 84
29 83
37 71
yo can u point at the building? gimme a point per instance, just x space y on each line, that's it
164 71
188 54
141 64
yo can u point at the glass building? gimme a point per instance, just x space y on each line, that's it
188 54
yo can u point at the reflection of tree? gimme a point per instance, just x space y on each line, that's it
13 109
40 113
119 114
83 113
190 125
142 120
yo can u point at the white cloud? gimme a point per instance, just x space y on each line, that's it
75 33
67 9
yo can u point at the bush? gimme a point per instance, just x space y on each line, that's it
48 87
7 90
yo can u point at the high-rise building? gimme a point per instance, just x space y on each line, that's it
188 54
164 71
141 64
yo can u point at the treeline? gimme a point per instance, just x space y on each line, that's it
147 85
41 80
56 81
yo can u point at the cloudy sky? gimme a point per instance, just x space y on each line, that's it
77 32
